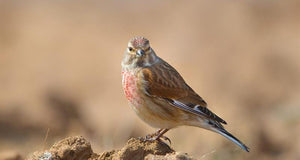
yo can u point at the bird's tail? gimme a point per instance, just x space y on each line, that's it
229 136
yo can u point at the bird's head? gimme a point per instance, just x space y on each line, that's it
139 53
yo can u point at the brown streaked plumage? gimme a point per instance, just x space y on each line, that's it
161 97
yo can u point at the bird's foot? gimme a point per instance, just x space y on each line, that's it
165 138
155 136
149 137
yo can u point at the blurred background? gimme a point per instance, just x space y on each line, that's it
60 72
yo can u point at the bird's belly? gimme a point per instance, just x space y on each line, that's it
158 115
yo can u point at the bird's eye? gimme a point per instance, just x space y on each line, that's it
130 49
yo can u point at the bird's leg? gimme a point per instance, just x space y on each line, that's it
161 135
150 136
157 135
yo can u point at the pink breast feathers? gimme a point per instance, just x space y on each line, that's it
130 89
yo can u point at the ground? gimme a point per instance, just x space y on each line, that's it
78 148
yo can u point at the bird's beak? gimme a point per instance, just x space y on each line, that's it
140 52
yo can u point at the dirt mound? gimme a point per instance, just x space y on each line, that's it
78 148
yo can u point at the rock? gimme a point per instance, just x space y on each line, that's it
77 148
138 149
72 148
172 156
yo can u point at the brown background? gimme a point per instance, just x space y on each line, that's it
60 70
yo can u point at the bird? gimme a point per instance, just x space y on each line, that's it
160 96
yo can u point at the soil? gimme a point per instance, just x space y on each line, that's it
78 148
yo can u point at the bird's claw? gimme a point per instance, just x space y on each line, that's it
166 139
154 137
142 139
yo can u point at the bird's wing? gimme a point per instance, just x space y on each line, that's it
163 81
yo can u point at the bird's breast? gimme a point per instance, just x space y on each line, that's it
130 87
